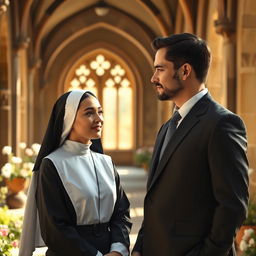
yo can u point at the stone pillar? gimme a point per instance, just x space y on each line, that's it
20 91
225 25
5 107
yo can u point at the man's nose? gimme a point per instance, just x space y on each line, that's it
154 78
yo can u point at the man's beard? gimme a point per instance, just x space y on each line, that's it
169 94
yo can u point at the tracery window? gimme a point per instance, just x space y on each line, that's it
110 82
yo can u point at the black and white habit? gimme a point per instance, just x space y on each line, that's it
76 205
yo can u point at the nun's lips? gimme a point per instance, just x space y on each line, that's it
97 128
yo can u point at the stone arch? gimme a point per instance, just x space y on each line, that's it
121 126
130 51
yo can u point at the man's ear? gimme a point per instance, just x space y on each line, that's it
185 71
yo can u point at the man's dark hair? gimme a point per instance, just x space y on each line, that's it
186 48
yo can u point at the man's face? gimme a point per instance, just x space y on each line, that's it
166 79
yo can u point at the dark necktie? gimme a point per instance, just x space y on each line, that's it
170 131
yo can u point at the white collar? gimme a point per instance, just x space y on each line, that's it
187 106
76 147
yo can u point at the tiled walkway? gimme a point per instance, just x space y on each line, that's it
134 184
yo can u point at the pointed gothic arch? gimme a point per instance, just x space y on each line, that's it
111 79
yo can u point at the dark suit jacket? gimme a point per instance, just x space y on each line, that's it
197 194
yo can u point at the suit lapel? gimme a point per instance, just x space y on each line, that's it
188 123
156 152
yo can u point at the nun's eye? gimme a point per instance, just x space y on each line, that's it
89 113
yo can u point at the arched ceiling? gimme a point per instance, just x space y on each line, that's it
156 14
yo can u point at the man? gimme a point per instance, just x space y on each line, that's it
197 191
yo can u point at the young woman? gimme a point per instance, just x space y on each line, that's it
82 207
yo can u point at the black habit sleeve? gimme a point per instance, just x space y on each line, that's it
120 222
57 215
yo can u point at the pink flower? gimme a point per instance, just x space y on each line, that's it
4 231
15 243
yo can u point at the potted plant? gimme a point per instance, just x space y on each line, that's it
17 171
248 243
143 157
249 223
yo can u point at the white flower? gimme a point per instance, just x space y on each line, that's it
29 166
2 226
251 242
16 160
7 150
36 148
243 246
247 233
22 145
29 152
7 170
11 235
4 190
23 173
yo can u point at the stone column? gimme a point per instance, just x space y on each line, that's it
5 108
225 25
20 91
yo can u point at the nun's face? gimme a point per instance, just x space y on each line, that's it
88 122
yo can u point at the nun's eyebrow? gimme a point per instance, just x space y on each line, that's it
91 108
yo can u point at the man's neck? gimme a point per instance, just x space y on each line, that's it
188 94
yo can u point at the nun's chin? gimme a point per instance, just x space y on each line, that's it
97 136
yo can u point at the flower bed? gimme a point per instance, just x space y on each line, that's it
10 231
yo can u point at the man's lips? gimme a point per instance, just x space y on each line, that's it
158 86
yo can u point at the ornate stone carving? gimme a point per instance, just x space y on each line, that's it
225 24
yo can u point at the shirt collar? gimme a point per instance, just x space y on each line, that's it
187 106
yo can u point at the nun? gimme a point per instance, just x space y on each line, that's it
76 205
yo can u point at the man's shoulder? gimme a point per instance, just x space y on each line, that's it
219 110
220 114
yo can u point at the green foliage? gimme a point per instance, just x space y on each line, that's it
143 156
251 215
3 194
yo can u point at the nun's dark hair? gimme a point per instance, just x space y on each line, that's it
52 137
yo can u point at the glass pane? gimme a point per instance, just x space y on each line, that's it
125 118
92 89
109 108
